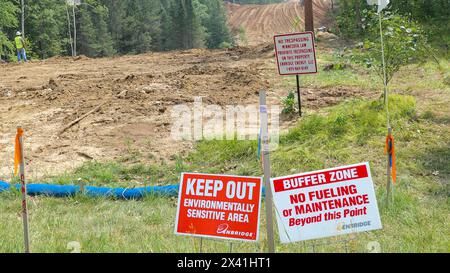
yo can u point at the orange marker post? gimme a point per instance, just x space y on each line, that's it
20 162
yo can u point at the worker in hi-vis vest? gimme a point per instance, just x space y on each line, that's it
20 46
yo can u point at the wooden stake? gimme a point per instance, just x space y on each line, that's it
266 163
24 196
388 173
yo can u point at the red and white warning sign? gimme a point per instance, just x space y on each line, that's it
295 53
219 206
325 203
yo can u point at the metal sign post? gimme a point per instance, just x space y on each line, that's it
298 95
296 55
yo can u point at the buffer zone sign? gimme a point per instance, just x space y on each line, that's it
219 206
295 53
325 203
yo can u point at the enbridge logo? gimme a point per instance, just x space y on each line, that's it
343 226
224 229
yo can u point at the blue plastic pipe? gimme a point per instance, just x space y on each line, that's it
70 190
119 193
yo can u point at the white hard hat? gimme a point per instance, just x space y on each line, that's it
18 33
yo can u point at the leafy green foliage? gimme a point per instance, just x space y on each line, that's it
215 24
404 43
8 21
225 45
432 16
349 20
289 103
94 39
45 15
106 27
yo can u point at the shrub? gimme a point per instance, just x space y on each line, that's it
289 103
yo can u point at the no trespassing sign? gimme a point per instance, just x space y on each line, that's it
295 53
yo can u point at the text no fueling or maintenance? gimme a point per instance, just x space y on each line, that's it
325 203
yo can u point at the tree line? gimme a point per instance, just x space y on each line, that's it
433 16
109 27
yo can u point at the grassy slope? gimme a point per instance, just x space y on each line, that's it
351 132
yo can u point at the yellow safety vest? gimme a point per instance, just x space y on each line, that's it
19 43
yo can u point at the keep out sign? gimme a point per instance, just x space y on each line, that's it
219 206
325 203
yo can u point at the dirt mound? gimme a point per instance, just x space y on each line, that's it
123 105
261 22
134 96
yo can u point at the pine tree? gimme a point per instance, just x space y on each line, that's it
107 27
142 25
45 27
216 25
93 38
103 44
117 15
85 32
167 39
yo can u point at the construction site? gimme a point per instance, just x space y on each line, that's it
89 162
132 95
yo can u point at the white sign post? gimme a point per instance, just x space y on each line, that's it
296 55
325 203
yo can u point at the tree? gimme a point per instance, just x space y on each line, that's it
183 19
107 27
46 21
94 38
404 43
8 22
116 22
166 39
142 26
216 23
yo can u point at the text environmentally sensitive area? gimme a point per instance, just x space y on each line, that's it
219 206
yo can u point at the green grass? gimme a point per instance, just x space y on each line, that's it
351 132
353 76
417 77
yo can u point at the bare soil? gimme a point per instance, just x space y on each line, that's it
262 22
137 94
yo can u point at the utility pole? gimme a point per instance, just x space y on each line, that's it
309 16
69 28
74 31
23 18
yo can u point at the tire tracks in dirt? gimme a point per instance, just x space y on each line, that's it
261 22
